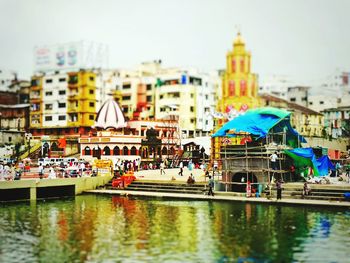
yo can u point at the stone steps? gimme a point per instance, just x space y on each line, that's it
164 187
329 193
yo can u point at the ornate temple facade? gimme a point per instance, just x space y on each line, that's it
239 84
113 138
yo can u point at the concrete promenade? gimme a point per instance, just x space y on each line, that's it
31 189
154 175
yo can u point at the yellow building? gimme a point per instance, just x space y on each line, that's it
239 89
239 85
64 105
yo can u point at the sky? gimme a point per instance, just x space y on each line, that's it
302 39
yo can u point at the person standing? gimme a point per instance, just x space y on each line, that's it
273 159
181 169
41 171
337 169
162 166
52 174
279 189
211 186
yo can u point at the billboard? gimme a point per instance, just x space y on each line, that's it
70 56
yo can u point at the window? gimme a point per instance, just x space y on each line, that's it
61 117
149 98
191 95
48 81
192 120
160 96
91 78
48 118
92 104
62 92
48 93
321 102
126 86
292 99
62 80
91 91
91 117
304 99
73 79
62 105
149 86
126 97
192 109
48 106
206 97
35 82
10 139
125 110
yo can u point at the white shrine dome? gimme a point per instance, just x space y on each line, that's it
110 116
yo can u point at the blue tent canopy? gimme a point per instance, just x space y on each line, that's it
259 122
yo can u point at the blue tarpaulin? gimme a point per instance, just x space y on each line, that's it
306 156
324 164
259 122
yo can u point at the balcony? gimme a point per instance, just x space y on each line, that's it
73 96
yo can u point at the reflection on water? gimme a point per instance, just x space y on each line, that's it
92 228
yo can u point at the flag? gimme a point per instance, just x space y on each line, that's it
62 143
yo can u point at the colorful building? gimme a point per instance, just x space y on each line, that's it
112 137
239 90
65 105
239 84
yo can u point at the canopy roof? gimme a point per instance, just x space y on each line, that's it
259 122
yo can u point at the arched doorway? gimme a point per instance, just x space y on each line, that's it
96 152
133 150
107 151
116 150
125 150
87 150
239 181
164 151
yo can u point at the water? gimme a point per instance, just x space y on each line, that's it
95 228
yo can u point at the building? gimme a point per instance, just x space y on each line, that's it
239 89
337 122
65 104
152 92
307 122
276 85
112 137
298 95
189 96
239 84
320 102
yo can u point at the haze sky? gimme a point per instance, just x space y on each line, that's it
303 39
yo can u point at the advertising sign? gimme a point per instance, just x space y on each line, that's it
73 55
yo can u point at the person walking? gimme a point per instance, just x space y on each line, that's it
211 186
279 189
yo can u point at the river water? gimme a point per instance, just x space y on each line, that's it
102 228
